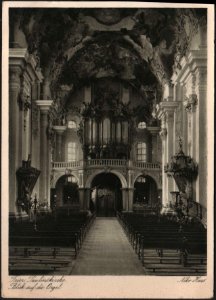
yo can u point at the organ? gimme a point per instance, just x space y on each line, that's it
107 123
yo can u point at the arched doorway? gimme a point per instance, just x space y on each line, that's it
66 191
106 196
146 192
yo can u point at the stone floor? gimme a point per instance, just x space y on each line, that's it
106 251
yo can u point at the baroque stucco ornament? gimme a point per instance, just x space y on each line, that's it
190 102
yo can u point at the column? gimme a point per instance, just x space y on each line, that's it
59 132
45 163
154 132
201 137
170 143
82 198
87 198
125 199
165 112
163 134
14 163
130 198
184 125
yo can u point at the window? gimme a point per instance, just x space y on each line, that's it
71 179
142 125
71 151
141 179
71 124
141 152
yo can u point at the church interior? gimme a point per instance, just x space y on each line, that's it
108 141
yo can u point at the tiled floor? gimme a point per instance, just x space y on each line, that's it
106 251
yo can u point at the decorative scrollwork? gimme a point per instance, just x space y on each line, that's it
190 102
24 100
35 123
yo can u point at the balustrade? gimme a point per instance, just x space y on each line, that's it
146 165
106 162
62 165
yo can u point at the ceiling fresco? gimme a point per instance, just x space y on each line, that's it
141 47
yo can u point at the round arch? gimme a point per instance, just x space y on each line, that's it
118 174
149 175
146 190
59 175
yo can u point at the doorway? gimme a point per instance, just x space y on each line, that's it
106 197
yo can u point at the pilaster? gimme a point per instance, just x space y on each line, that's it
14 162
165 112
193 77
45 162
154 133
125 199
59 132
22 74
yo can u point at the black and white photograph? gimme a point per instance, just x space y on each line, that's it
108 146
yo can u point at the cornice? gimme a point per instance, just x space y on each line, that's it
195 59
59 129
44 105
21 58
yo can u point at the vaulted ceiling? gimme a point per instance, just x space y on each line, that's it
140 47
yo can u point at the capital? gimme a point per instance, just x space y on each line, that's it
59 129
44 105
15 76
190 103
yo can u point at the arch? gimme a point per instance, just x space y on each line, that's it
59 175
147 174
65 191
145 191
118 174
106 196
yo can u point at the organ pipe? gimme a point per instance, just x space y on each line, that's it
118 132
106 130
101 132
94 132
125 132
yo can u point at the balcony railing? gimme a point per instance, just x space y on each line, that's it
65 165
119 163
146 165
106 162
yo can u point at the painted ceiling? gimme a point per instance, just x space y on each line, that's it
141 47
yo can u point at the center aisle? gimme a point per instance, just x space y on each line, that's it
106 251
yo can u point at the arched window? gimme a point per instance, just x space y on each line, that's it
141 125
141 152
72 125
71 151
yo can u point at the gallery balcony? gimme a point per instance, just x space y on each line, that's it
102 163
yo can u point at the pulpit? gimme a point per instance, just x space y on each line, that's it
27 177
